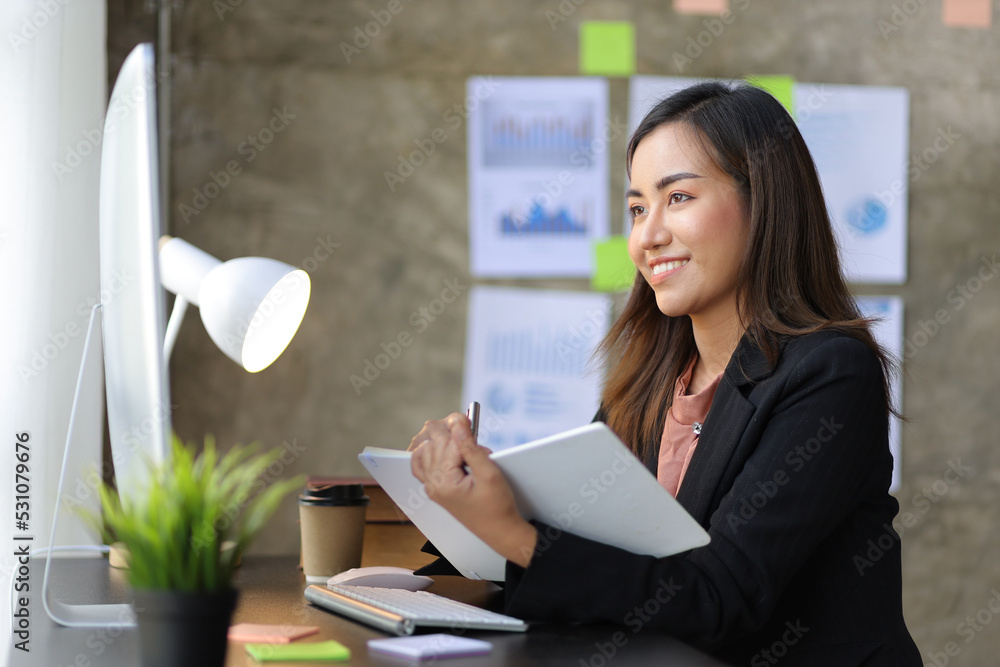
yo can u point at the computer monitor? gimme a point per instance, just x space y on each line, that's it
133 301
132 310
253 305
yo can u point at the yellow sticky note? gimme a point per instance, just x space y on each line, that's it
613 268
710 7
607 48
967 13
780 86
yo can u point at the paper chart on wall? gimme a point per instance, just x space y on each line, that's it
888 331
538 176
528 361
858 138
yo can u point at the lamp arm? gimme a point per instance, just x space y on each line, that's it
173 326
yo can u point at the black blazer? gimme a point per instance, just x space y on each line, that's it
790 478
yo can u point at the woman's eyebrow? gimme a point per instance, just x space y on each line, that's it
664 182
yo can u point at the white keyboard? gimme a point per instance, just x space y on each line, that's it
400 611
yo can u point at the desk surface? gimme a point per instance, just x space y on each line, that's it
271 592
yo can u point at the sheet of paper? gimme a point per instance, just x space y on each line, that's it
709 7
607 48
859 139
967 13
538 176
528 361
888 331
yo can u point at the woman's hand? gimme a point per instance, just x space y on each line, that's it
458 474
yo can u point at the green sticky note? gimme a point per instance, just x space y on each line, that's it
328 651
613 268
780 86
607 48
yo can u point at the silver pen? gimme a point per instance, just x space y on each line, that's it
473 415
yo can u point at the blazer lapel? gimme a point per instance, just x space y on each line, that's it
727 420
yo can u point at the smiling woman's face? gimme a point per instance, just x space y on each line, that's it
689 226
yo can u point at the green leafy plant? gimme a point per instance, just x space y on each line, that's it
175 533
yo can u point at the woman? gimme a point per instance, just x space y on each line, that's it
747 381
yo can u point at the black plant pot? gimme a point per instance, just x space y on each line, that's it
181 628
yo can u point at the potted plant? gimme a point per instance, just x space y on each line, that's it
182 541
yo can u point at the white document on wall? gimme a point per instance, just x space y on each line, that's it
858 137
538 176
859 140
888 331
528 361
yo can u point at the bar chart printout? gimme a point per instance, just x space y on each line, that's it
538 176
529 361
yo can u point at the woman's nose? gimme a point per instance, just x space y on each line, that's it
655 232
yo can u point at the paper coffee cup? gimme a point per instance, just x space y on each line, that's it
332 519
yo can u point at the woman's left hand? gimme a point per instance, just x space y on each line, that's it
459 475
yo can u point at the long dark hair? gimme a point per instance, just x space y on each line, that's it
789 282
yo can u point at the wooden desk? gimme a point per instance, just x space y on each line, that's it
271 592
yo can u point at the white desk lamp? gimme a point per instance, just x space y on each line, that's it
251 306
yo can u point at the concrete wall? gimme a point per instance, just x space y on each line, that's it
316 197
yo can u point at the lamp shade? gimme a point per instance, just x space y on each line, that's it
250 306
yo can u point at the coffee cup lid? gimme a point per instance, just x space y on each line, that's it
334 494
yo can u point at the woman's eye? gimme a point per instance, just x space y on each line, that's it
636 210
677 198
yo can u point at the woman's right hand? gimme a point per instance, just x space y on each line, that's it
459 475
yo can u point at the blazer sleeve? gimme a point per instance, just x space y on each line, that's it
821 450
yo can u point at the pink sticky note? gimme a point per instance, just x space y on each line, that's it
269 634
967 13
714 7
